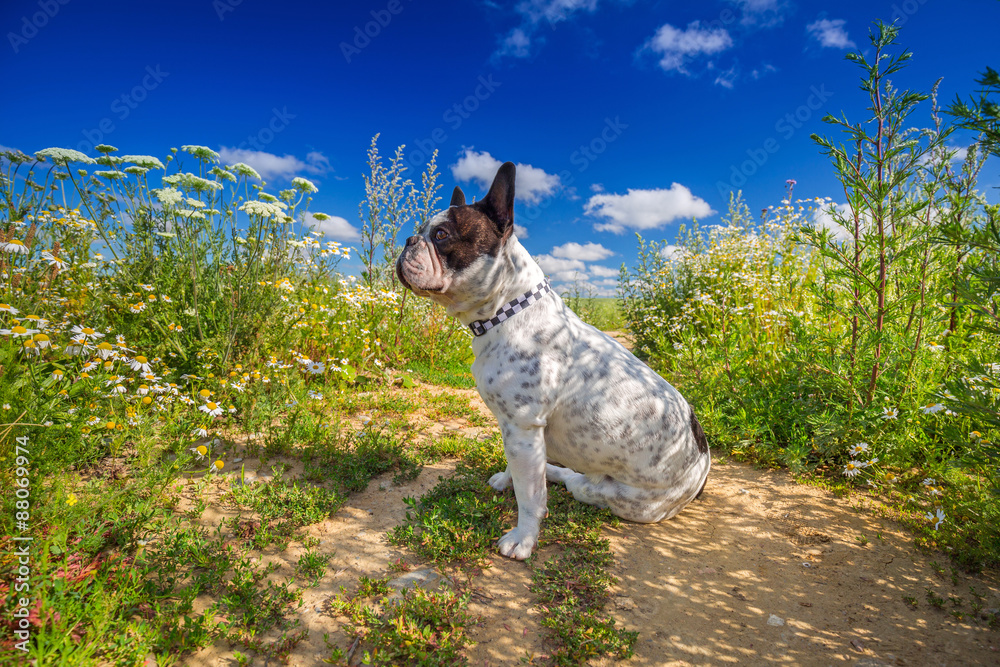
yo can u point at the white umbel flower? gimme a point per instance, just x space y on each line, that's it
63 156
263 209
146 161
304 185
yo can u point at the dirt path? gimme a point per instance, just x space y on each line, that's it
760 570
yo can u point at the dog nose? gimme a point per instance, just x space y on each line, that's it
412 240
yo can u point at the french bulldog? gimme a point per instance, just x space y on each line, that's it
573 405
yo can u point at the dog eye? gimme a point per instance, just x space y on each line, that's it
440 235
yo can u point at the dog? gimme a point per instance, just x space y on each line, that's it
573 405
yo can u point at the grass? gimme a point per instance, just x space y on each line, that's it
420 628
459 521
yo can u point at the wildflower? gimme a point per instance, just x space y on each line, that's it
934 347
889 413
929 481
104 350
217 466
857 449
976 436
140 363
42 340
14 246
200 451
200 432
146 161
58 375
4 308
245 170
937 517
890 478
935 491
212 409
137 307
18 331
304 185
63 156
932 408
852 468
316 367
71 499
263 209
202 153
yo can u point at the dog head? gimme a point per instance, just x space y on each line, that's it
455 256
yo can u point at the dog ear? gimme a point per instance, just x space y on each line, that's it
498 205
457 197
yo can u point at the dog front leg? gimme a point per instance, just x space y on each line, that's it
525 450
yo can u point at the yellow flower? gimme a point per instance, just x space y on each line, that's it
71 499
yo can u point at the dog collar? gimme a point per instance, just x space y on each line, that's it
479 327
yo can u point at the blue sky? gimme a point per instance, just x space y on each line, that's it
623 116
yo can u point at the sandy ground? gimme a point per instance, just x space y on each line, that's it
760 570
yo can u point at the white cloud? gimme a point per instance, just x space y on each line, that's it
553 11
269 165
531 184
517 43
567 276
762 71
728 78
602 271
334 227
830 34
554 265
645 209
678 47
591 252
823 218
520 231
670 252
761 13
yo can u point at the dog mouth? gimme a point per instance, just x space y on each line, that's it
419 290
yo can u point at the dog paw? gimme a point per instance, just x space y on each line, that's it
517 544
500 481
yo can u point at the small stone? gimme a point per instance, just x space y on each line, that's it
626 603
426 578
775 620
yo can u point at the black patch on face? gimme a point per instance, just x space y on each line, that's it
699 434
470 235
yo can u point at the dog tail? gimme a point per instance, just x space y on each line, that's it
702 441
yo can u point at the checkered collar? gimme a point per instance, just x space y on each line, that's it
511 308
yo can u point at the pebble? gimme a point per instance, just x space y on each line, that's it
776 621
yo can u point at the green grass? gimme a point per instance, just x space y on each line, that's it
425 628
460 520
